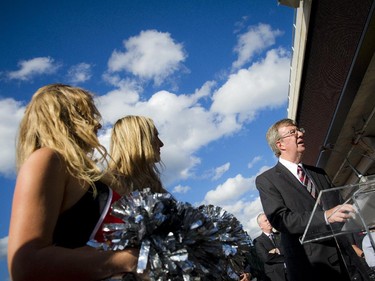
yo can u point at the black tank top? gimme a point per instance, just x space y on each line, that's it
75 225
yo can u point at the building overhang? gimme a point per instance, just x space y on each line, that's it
332 86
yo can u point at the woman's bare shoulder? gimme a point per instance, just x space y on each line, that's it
46 159
47 152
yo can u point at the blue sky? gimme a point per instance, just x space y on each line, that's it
212 74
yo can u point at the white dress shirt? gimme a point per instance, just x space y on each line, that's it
292 167
368 251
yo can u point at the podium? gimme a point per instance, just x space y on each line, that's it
361 195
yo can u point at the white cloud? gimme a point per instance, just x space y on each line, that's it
263 85
254 161
33 67
183 120
219 171
230 191
239 197
181 189
3 247
151 55
180 164
119 102
79 73
254 41
185 124
246 212
10 115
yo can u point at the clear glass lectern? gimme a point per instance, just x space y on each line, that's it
360 195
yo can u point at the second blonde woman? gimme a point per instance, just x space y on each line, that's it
135 151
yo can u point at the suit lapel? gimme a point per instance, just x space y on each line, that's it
294 183
330 199
267 241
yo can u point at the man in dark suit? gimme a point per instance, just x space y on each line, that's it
288 204
268 248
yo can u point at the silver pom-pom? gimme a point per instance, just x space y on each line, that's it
177 241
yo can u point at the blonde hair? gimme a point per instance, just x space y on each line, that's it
133 154
65 119
273 136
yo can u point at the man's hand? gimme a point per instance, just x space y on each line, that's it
274 251
245 277
340 213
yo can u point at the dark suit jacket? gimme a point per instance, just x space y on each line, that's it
273 263
288 206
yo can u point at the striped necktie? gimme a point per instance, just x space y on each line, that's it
306 181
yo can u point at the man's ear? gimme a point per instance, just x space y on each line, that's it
280 145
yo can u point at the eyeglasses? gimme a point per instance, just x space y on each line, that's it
292 133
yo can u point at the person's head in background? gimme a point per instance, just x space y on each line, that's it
65 119
135 152
264 224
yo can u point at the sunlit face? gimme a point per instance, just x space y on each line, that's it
264 224
157 145
291 143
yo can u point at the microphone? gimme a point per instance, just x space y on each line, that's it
330 147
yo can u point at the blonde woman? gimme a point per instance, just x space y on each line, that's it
56 199
135 152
